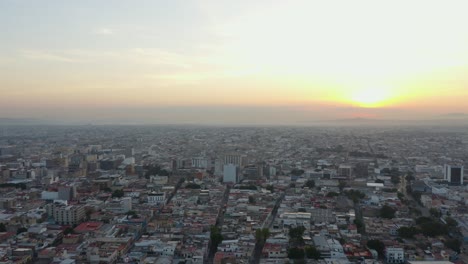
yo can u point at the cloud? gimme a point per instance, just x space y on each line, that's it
103 31
49 56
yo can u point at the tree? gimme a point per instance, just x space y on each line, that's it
379 181
296 234
297 172
408 232
359 224
332 194
451 222
21 230
215 236
310 184
387 212
68 231
410 176
270 188
453 244
312 252
251 199
88 212
118 194
355 195
292 185
133 214
377 245
395 179
261 235
192 185
2 227
296 253
342 185
433 229
435 212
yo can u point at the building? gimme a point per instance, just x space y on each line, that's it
201 163
345 171
64 214
231 174
394 255
453 174
120 206
235 159
66 193
156 198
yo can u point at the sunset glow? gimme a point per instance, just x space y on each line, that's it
323 56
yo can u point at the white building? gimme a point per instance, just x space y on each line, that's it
201 162
231 173
121 206
66 214
156 198
394 255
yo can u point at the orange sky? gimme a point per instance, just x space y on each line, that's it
279 61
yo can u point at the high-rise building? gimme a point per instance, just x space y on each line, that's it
235 159
66 214
453 174
231 173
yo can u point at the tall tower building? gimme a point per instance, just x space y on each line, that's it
231 173
239 160
453 174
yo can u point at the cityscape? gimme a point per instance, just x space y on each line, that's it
234 132
183 194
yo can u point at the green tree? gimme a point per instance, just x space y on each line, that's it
332 194
270 188
296 253
396 179
453 244
435 212
312 252
251 199
355 195
310 184
216 237
192 185
451 222
296 234
261 235
376 245
68 230
387 212
2 227
132 214
21 230
118 194
342 185
433 229
359 224
408 232
297 172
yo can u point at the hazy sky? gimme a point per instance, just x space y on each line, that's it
232 61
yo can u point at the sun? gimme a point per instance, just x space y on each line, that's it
371 97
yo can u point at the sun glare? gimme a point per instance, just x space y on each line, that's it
371 97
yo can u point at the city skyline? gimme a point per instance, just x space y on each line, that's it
224 62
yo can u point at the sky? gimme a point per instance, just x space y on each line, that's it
233 62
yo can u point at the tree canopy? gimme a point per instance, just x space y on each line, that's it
387 212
